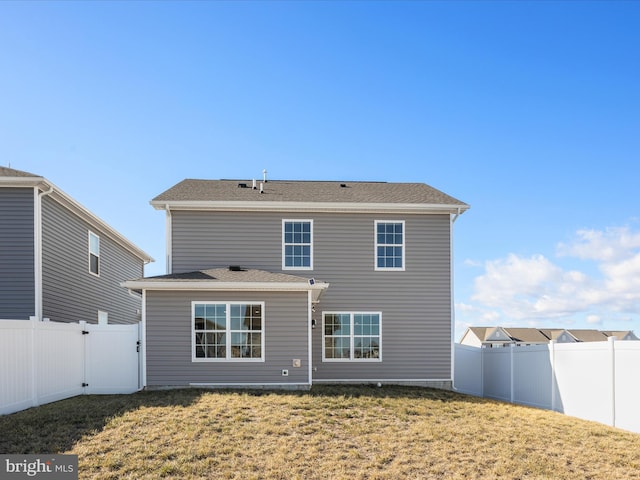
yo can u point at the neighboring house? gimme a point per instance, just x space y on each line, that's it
492 337
58 260
485 337
560 335
621 334
290 283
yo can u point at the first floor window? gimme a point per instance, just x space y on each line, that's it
94 253
228 331
351 336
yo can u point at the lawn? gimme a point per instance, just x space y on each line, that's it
331 432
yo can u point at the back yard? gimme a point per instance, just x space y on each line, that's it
330 432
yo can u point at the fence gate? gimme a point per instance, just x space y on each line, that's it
112 359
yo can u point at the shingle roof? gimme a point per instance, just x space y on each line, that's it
228 275
307 191
538 335
10 172
480 332
526 335
588 335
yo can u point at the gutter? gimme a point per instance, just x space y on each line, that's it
274 206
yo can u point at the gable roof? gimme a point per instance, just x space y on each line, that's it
193 193
539 335
555 333
621 334
10 177
489 334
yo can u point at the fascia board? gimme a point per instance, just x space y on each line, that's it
223 286
22 181
80 211
423 208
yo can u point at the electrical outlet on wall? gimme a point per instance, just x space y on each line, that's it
296 363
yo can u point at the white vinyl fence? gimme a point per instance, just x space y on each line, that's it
42 362
593 381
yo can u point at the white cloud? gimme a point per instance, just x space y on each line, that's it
611 244
536 288
593 319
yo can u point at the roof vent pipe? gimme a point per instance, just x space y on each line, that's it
264 175
261 187
254 184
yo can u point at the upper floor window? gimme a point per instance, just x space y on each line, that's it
94 253
389 245
351 336
297 244
228 331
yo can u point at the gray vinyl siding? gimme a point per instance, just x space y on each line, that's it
415 303
169 342
17 282
70 292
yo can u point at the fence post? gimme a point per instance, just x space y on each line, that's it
511 370
482 350
612 351
83 325
552 360
34 360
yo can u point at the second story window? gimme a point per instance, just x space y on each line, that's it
94 253
389 245
297 244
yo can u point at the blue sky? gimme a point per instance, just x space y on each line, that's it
528 111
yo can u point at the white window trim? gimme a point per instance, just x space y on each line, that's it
227 332
375 247
351 338
298 220
91 253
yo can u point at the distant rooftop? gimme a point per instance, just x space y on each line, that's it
192 190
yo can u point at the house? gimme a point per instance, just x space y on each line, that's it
621 334
559 335
492 337
282 284
58 260
486 336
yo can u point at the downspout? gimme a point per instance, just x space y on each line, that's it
143 342
453 218
37 248
456 215
169 246
310 336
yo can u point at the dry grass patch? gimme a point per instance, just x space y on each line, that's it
330 432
